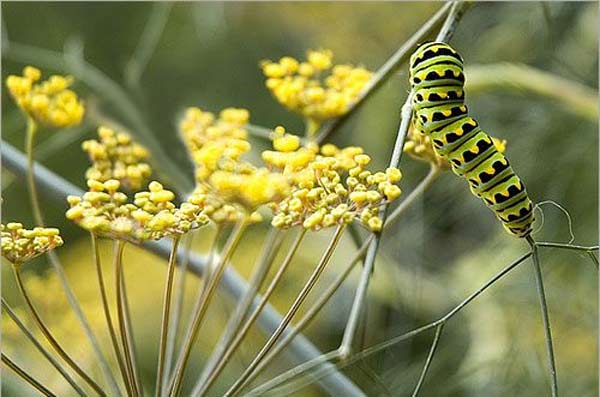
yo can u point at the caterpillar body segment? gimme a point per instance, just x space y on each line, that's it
437 81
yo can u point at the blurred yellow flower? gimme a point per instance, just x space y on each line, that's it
49 103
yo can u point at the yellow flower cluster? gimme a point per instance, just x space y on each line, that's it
419 146
116 156
333 188
315 88
50 103
105 211
20 245
232 188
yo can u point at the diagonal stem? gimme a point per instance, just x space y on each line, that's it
212 376
26 377
50 338
387 69
164 326
270 249
434 344
325 258
40 348
205 297
118 266
545 317
107 315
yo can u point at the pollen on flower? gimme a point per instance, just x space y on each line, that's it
116 156
20 245
49 103
315 89
335 188
106 212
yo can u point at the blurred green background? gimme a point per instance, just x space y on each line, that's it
448 244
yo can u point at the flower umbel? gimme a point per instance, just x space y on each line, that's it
332 191
20 245
49 103
116 156
315 88
104 211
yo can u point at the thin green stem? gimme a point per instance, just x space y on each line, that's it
107 315
50 338
387 70
164 327
270 248
312 313
545 317
206 295
178 305
130 335
26 377
118 265
241 382
39 220
239 337
430 178
434 344
337 354
6 307
593 258
566 246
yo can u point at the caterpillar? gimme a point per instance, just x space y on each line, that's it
437 81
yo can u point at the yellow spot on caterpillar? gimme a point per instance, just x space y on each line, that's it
447 112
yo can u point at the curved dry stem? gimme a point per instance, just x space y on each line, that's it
123 329
325 258
6 307
164 326
205 297
107 315
50 338
312 313
26 377
239 337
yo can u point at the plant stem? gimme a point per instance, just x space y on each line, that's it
311 314
545 317
130 335
118 265
432 176
41 348
241 382
178 305
386 70
107 315
436 339
39 220
50 338
205 297
270 248
212 376
336 354
26 377
164 327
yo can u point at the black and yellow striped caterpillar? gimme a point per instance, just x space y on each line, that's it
437 80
